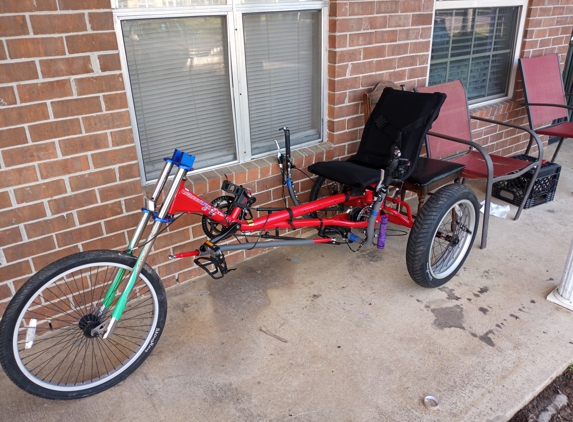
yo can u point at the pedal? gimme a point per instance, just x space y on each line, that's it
219 265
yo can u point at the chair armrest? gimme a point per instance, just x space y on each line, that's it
531 133
482 151
547 105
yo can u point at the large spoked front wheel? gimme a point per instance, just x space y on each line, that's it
48 346
442 235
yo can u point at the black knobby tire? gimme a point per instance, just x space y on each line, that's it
442 235
65 360
323 188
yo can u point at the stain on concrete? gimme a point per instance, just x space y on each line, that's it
450 293
483 310
531 301
373 255
486 274
499 326
514 316
450 317
483 290
485 338
476 295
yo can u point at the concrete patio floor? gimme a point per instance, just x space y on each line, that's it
355 339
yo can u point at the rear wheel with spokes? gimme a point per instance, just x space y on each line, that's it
442 235
49 342
323 188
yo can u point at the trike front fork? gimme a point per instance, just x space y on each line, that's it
184 162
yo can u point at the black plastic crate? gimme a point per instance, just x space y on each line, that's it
543 190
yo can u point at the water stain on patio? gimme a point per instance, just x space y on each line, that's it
449 317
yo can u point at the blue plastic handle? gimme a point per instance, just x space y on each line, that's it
182 160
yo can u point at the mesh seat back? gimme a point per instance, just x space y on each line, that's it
542 83
410 113
453 120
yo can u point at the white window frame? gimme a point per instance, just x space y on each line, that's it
471 4
234 11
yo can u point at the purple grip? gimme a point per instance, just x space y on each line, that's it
382 233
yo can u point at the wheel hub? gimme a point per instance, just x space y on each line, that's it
88 323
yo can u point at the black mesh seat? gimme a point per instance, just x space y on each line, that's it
400 118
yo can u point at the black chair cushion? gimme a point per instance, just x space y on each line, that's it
346 172
429 170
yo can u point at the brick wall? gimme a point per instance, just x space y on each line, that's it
69 179
67 152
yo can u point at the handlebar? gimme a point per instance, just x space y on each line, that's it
286 130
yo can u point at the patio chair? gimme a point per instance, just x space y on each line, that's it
399 119
451 139
429 174
545 98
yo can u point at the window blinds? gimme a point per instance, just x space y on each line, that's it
179 75
476 46
283 76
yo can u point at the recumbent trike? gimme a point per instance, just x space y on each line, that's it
85 322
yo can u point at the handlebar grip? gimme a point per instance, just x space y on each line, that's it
287 140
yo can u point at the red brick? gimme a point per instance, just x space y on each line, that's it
58 23
410 6
21 48
19 269
101 21
29 93
116 241
5 201
120 191
13 137
3 55
363 38
76 107
385 7
73 202
99 84
83 144
55 129
131 171
87 43
19 6
7 96
18 71
92 179
422 19
114 157
13 26
66 66
109 62
399 21
19 176
115 101
40 191
419 47
29 154
122 222
29 248
10 236
122 137
50 225
63 167
106 121
83 4
99 213
78 235
408 34
361 8
22 214
384 37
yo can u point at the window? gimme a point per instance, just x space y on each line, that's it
476 45
217 86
